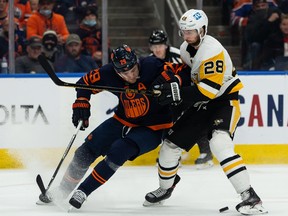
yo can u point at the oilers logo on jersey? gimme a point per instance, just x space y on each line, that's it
135 105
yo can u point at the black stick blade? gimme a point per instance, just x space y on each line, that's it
40 184
49 70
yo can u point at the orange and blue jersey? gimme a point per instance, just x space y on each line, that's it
134 109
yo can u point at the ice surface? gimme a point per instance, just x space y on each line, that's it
200 192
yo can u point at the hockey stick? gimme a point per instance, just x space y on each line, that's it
50 71
39 180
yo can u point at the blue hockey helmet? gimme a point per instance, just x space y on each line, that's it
123 58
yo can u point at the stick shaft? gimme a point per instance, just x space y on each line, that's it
51 72
39 179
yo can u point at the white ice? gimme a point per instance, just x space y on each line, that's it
200 192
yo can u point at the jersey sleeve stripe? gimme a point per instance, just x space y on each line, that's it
211 83
228 86
207 90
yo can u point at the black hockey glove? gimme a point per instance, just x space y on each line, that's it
170 93
165 77
81 110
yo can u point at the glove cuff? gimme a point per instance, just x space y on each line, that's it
82 98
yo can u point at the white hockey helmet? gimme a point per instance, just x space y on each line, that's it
194 19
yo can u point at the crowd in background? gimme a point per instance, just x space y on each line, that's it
42 27
259 26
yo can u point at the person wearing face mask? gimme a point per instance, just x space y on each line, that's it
51 49
90 33
45 19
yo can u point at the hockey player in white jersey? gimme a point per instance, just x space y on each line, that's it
158 43
214 111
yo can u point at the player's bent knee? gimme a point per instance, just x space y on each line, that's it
169 154
83 156
121 151
221 145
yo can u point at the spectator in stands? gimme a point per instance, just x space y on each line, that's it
90 32
4 39
34 5
82 5
51 49
3 12
71 10
73 60
275 50
242 9
45 19
29 63
262 21
239 18
22 11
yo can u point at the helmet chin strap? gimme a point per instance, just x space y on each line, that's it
119 74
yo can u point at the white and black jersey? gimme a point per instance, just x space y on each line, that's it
172 55
212 70
212 95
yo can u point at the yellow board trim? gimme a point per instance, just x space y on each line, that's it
251 154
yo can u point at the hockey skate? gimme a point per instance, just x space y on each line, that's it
158 196
251 204
205 160
77 199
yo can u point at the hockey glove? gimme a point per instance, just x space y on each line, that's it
165 77
170 93
81 110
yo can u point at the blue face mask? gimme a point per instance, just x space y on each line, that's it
45 12
89 22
